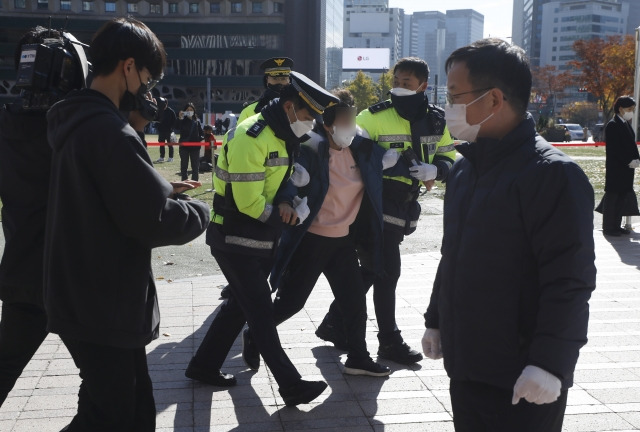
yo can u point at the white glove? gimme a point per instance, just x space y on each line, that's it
537 386
431 344
634 163
300 176
301 208
424 172
390 158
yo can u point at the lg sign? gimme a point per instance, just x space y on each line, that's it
365 58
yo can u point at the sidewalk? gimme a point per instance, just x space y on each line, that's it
606 396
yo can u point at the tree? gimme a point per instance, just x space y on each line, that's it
364 91
548 83
584 113
607 68
385 83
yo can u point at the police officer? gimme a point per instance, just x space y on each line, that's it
417 129
276 76
256 161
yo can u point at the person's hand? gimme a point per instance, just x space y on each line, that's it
424 172
431 344
537 386
634 163
390 159
302 208
300 176
287 213
181 186
429 184
181 115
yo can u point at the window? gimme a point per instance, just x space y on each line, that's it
132 7
155 9
87 6
193 8
173 8
236 7
109 6
43 4
20 4
278 7
65 5
256 7
214 8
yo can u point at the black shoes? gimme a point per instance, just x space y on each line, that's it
303 392
329 332
399 352
365 367
250 353
225 292
207 376
612 233
624 231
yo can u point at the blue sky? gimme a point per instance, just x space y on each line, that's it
497 13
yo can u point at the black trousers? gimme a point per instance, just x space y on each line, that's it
384 289
249 302
162 150
338 260
116 393
612 210
189 154
23 327
479 407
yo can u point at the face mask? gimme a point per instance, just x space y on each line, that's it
628 116
300 127
456 117
277 88
343 136
399 91
409 106
138 101
188 114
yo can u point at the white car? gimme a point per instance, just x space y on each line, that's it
575 130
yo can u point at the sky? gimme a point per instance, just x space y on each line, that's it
497 13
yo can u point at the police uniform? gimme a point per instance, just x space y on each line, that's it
430 141
276 66
256 160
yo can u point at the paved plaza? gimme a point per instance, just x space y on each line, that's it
606 396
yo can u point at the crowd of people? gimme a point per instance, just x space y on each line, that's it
304 186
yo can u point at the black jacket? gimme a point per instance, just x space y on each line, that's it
517 267
190 130
621 149
108 208
166 123
25 160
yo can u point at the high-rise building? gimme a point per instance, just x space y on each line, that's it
526 29
334 10
428 37
564 22
464 26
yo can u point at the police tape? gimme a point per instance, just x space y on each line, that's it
187 144
591 144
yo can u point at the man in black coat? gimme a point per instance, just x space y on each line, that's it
509 307
108 208
165 128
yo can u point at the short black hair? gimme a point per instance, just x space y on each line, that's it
346 101
494 63
123 38
207 127
415 65
623 102
35 35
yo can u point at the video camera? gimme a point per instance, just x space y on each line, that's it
49 70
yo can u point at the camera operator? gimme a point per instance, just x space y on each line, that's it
24 186
108 207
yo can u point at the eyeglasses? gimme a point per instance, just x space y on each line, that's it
151 83
451 97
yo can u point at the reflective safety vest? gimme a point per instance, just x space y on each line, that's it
248 111
384 125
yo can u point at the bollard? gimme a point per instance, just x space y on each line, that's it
627 223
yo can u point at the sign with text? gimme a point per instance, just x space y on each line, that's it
365 58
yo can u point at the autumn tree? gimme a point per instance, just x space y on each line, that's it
364 91
549 83
584 113
385 83
606 67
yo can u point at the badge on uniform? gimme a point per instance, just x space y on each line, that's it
273 155
396 145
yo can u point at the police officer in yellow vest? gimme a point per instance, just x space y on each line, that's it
256 160
276 76
417 130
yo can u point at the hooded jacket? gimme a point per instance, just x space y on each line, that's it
108 208
517 268
25 160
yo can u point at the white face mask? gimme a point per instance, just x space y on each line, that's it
628 116
301 127
343 136
399 91
188 113
456 118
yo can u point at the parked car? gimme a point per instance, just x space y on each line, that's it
576 132
598 132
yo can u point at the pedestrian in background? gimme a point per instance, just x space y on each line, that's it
165 128
510 302
622 161
190 132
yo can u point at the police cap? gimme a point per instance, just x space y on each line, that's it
277 66
314 96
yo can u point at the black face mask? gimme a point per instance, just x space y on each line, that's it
277 88
410 107
138 102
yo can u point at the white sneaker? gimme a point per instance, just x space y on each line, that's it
170 160
160 160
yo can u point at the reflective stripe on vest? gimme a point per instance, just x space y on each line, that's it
281 161
226 177
249 243
398 222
